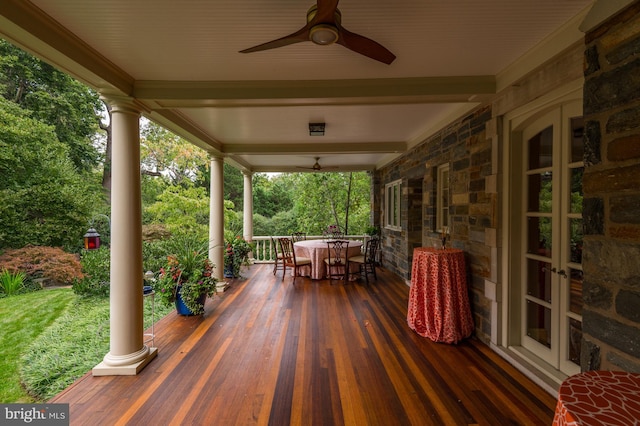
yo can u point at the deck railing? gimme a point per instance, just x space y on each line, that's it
265 252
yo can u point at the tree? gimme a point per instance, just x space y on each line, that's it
166 154
53 98
182 208
271 195
322 199
43 199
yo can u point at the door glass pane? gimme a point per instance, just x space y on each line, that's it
575 339
539 323
576 190
575 291
539 188
575 227
539 236
577 142
539 279
540 149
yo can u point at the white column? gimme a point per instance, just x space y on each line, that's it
247 225
216 216
127 352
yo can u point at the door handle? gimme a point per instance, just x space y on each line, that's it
562 273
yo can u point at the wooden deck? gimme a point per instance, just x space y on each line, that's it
269 351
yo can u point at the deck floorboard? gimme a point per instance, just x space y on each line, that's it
271 351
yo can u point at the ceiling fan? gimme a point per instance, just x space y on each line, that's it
324 28
317 167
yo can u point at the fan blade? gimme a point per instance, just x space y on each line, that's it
297 37
365 46
326 12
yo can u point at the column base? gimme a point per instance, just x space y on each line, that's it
103 369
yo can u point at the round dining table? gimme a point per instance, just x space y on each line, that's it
317 251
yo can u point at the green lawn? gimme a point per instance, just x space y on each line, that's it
51 338
22 319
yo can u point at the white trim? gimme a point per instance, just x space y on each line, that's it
440 188
514 120
601 11
554 44
393 221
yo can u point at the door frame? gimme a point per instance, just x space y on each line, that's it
510 241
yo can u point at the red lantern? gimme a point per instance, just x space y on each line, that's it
91 240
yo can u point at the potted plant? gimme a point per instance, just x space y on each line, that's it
187 278
236 255
372 231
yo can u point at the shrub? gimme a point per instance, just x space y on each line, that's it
96 266
51 263
154 254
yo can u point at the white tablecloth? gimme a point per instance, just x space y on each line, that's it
317 251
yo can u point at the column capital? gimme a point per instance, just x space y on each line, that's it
124 104
247 173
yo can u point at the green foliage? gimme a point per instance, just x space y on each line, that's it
11 283
22 319
96 268
54 357
373 231
44 200
182 209
53 97
262 225
322 199
164 153
154 254
59 356
187 270
270 195
236 253
233 186
285 223
50 263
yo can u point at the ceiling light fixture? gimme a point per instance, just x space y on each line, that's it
323 34
316 129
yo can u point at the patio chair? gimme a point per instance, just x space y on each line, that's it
277 260
337 263
298 236
367 260
289 258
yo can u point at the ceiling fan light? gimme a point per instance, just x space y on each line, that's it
323 34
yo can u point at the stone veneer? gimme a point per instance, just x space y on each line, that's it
611 209
466 148
611 316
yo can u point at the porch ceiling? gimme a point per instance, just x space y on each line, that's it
180 61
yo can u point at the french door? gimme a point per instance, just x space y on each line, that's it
551 238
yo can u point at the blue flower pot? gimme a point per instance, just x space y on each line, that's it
181 308
228 271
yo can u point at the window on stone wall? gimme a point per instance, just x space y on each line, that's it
443 199
392 205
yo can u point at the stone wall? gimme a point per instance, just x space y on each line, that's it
467 150
611 315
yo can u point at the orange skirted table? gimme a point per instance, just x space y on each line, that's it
438 299
599 398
